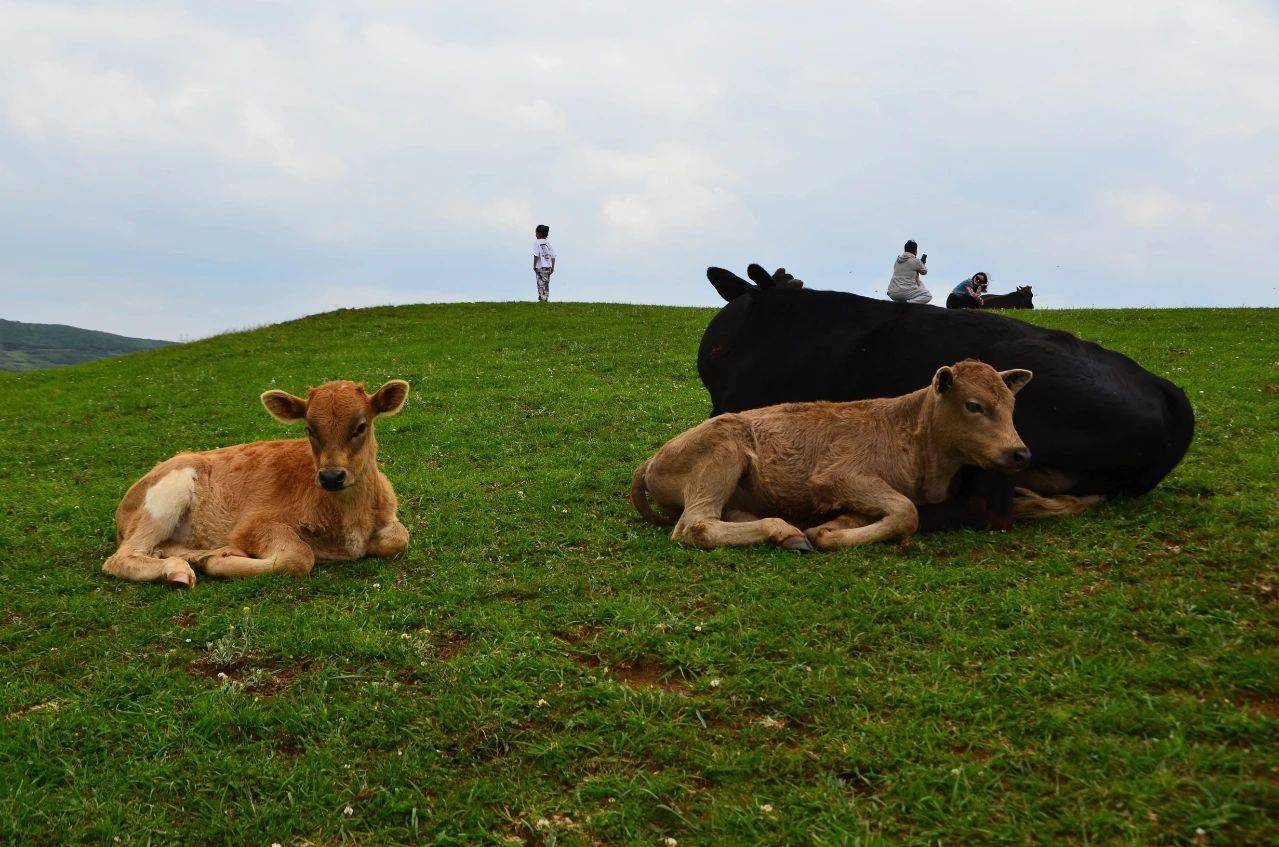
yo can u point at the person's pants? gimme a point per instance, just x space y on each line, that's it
543 284
921 296
959 301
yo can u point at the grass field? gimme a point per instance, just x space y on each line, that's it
542 667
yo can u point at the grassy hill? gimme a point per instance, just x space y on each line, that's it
26 347
540 667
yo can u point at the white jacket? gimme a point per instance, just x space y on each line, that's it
906 272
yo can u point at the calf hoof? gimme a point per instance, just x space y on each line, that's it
798 543
178 579
179 574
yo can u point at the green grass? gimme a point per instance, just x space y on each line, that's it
539 655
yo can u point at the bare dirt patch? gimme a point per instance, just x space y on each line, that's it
580 634
1258 705
47 706
252 675
642 674
454 645
972 754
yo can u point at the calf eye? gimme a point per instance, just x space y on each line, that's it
360 429
310 431
973 406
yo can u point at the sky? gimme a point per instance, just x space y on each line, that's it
173 170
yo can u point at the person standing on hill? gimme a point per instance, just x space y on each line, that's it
905 286
543 262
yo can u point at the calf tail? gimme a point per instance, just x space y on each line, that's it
1028 504
639 499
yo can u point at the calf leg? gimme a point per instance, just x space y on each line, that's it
707 486
162 511
709 532
864 495
130 563
280 550
391 539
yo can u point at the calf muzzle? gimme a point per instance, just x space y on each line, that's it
331 480
1017 458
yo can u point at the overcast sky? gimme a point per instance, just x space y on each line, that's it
173 170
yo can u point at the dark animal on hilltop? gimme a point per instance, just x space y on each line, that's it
1022 298
850 472
1096 422
269 506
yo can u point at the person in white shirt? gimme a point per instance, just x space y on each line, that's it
543 262
905 286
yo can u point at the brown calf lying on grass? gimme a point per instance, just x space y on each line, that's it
850 471
270 505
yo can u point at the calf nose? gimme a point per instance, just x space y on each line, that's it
332 480
1020 457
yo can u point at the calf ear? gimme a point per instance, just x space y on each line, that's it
283 406
1015 379
943 379
389 399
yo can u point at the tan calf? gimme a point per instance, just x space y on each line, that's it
270 505
852 472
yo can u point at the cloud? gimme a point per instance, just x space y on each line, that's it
251 155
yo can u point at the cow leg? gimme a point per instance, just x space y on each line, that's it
1030 504
390 540
280 550
859 496
980 500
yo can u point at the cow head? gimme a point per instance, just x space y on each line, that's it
973 415
339 426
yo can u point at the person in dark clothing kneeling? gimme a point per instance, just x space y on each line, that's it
968 294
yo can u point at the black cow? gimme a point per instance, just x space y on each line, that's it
1095 421
1022 298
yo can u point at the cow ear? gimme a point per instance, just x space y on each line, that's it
759 276
1015 379
283 406
390 398
729 285
943 379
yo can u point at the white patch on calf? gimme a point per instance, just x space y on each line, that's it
168 500
356 544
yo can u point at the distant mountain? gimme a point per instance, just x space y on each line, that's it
27 347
